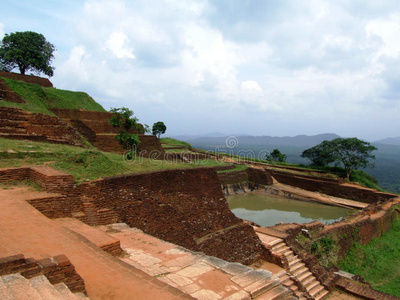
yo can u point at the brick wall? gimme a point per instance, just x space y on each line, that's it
183 206
44 82
330 187
19 124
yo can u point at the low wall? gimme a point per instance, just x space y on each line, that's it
47 178
253 175
347 191
44 82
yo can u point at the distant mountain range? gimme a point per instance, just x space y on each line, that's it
389 141
218 139
387 162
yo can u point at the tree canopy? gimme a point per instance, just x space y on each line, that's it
276 155
27 51
351 152
124 119
159 128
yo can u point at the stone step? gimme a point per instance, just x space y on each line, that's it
321 295
276 293
308 280
275 242
281 247
296 266
20 288
261 286
287 252
295 261
65 293
300 271
311 284
304 276
291 257
44 287
315 290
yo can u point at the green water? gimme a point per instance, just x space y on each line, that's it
267 210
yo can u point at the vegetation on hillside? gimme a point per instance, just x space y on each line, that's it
40 99
378 262
352 153
83 163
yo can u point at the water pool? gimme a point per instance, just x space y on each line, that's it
267 210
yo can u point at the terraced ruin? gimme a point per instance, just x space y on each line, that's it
160 228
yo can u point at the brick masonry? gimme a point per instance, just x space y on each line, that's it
44 82
183 206
57 269
19 124
96 128
331 187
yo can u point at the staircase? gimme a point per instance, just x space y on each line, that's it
17 287
297 268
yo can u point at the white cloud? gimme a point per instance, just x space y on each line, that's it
118 44
388 30
1 30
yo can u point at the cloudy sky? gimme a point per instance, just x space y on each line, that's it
279 68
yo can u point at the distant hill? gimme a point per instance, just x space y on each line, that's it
389 141
387 162
272 141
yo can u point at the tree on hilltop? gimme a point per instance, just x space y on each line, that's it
351 152
159 128
26 50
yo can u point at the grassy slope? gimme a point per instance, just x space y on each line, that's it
82 163
40 99
378 262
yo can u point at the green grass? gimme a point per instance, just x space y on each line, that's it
82 163
40 100
236 169
171 141
378 262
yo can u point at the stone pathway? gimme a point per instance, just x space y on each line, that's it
24 230
297 268
199 275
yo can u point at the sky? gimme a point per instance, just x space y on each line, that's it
279 68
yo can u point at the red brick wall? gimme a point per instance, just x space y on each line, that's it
27 78
183 206
19 124
332 188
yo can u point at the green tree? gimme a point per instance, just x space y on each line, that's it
26 50
351 152
276 155
319 155
123 118
159 128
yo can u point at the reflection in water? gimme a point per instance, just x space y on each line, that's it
267 210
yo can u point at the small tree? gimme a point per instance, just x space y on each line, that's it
351 152
123 118
276 155
26 50
159 128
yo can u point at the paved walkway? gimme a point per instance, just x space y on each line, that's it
25 230
201 276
